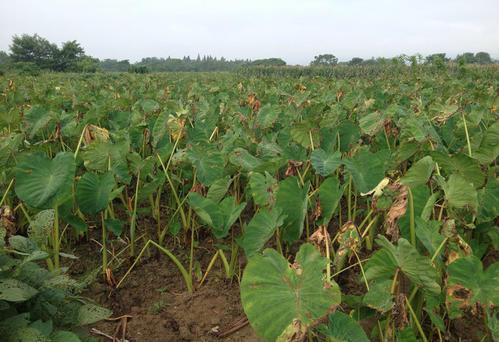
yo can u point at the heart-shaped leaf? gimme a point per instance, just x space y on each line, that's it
460 193
219 216
367 169
344 328
469 283
259 230
275 293
325 163
419 173
94 192
292 200
384 263
330 193
43 183
208 162
263 188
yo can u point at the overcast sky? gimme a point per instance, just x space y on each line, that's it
294 30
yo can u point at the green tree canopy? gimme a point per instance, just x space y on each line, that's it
483 58
325 59
68 56
356 61
33 49
269 62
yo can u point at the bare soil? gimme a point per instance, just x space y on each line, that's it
155 295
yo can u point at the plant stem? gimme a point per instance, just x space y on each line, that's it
412 228
328 256
55 238
438 250
349 199
175 195
361 269
347 268
80 141
387 140
187 277
467 134
133 222
104 244
210 266
191 253
6 192
225 264
416 321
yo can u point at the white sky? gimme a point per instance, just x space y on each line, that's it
294 30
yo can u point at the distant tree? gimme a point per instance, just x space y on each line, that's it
399 60
115 65
269 62
325 59
4 58
482 58
33 49
87 64
138 69
466 58
68 56
356 61
437 59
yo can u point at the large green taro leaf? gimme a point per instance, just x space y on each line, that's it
343 328
367 169
274 293
263 188
99 155
488 201
372 123
325 163
244 160
219 216
292 200
460 193
41 182
488 150
473 284
419 173
219 188
208 162
330 193
384 263
94 192
37 118
259 230
462 165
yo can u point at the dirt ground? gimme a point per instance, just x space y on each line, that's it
155 296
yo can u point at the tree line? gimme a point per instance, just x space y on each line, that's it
32 54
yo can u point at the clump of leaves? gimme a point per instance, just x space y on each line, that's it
36 304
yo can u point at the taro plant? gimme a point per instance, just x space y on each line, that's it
37 304
46 183
94 193
283 300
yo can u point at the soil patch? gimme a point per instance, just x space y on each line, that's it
155 295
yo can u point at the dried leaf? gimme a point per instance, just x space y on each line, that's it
396 211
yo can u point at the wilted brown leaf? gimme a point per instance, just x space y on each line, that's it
292 169
93 132
399 312
320 238
396 211
459 295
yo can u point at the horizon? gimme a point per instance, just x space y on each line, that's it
291 30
